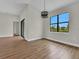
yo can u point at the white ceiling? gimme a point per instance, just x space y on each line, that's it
12 6
16 6
51 4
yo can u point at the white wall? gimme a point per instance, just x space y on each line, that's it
37 27
73 36
6 24
33 23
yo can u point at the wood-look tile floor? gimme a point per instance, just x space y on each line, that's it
16 48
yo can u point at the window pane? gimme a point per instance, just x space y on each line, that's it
64 17
63 22
53 28
53 19
64 27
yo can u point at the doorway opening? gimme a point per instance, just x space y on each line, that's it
22 28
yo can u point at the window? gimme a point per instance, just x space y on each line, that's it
60 23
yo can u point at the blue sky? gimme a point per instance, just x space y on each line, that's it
62 18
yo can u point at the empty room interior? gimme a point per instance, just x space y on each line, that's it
39 29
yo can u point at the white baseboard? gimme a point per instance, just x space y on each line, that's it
32 39
6 36
68 43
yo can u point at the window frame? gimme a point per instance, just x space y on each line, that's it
58 22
